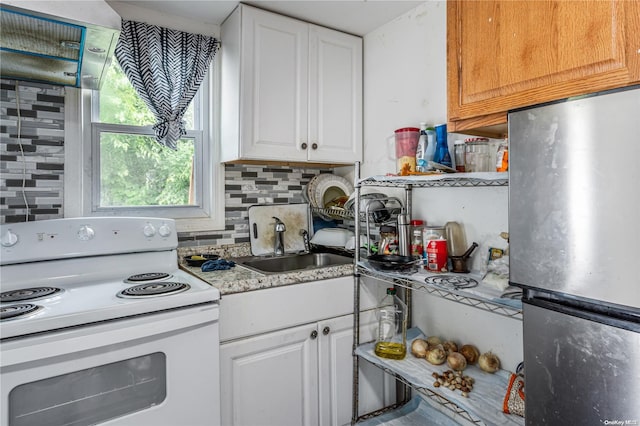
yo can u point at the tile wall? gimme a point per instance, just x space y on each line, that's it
42 141
31 153
246 186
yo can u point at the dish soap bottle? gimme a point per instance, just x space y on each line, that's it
392 327
421 151
442 155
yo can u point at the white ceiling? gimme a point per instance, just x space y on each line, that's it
357 17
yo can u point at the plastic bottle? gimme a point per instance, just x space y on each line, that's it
421 159
502 157
442 155
392 327
431 145
417 246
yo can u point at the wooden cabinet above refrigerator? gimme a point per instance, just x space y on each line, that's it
503 55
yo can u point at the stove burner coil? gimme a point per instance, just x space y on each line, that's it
149 276
455 281
27 294
154 289
18 311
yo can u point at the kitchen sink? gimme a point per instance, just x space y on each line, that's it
296 262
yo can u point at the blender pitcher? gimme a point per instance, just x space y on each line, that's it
406 143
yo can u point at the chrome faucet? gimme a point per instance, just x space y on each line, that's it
278 231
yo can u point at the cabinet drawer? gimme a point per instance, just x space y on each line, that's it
260 311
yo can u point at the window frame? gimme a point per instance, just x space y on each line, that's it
82 159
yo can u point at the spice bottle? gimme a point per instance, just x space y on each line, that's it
417 246
391 341
502 157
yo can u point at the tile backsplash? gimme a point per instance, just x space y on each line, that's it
246 186
37 158
31 151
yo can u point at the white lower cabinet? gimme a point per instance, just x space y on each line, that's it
270 379
286 355
297 376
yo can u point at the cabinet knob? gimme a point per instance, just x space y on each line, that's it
314 334
304 145
314 146
326 330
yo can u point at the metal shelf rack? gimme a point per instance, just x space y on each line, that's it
459 297
440 180
408 183
475 408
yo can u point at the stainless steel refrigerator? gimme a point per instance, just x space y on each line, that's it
574 230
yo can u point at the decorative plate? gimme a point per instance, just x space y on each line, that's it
329 187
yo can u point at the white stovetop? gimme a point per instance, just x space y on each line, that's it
90 288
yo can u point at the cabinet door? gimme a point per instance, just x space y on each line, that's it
270 379
336 366
508 54
274 86
335 96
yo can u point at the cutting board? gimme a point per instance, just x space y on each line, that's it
261 227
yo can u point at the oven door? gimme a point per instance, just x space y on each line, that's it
156 369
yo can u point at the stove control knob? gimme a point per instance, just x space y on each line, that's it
149 230
9 239
85 233
165 230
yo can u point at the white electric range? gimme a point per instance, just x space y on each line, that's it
100 326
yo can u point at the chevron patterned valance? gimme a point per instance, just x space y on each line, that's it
166 68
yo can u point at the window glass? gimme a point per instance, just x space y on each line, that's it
122 171
137 171
120 103
132 170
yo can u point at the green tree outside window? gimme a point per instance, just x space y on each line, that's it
134 169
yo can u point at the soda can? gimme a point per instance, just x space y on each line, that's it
436 251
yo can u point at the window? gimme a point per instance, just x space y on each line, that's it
125 172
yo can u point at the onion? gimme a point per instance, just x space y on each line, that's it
450 346
434 340
456 361
436 355
489 362
471 353
419 348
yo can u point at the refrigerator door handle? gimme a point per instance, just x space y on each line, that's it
613 318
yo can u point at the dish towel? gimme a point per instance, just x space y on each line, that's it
217 265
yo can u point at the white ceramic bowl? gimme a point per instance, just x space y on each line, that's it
331 237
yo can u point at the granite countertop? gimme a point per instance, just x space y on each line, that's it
240 279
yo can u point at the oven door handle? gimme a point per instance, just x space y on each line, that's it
106 334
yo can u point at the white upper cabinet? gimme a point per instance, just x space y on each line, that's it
291 91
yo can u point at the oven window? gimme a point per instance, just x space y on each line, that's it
91 396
